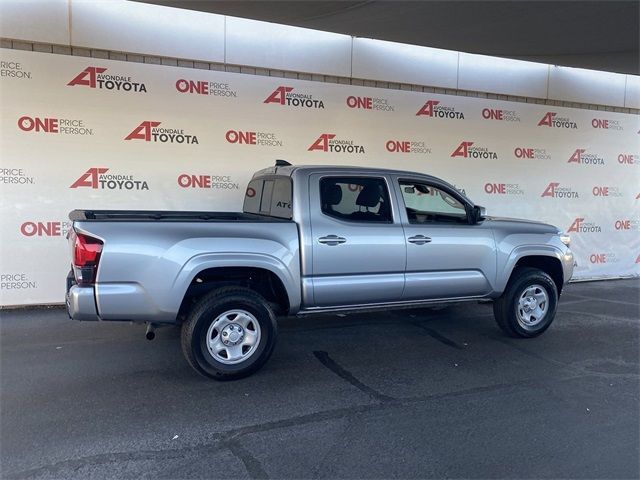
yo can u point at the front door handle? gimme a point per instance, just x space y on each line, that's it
332 240
419 239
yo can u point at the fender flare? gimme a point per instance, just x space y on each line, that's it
205 261
521 252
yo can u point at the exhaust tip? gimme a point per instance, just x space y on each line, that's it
151 331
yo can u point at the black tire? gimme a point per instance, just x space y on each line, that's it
202 316
506 308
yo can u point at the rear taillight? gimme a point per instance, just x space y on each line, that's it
86 252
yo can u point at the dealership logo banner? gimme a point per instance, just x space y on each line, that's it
195 138
415 147
15 176
152 132
208 182
17 281
553 120
534 153
290 97
327 142
46 228
629 159
500 115
62 126
377 104
579 225
471 150
606 191
556 190
101 178
434 109
260 139
503 189
607 124
9 69
201 87
103 79
583 157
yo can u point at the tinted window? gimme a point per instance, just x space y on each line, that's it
358 199
425 203
269 196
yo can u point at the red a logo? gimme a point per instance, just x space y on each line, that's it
278 95
462 150
550 191
322 143
81 78
427 108
575 226
577 156
547 119
142 131
89 178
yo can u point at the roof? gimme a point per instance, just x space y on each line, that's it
289 170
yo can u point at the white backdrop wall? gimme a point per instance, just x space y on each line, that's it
91 133
155 30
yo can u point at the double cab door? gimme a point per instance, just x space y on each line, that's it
447 256
382 238
358 244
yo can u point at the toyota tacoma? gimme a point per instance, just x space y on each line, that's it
310 239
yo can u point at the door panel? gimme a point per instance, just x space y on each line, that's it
458 262
446 257
356 258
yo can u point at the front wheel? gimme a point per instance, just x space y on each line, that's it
528 305
229 334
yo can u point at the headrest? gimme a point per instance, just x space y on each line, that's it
369 196
331 194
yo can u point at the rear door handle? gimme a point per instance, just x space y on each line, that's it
419 239
332 240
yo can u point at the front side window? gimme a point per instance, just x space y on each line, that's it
357 199
429 204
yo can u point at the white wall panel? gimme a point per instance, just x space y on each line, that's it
148 29
632 92
502 75
283 47
398 62
45 21
586 86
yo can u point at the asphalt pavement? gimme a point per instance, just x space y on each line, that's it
421 393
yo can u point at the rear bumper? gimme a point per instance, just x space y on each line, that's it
81 303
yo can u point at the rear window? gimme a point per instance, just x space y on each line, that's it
271 196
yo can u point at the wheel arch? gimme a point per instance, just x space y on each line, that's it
548 259
264 274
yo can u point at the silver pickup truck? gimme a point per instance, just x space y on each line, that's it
310 239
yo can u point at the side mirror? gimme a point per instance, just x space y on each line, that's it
478 214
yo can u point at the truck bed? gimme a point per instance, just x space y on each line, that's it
168 216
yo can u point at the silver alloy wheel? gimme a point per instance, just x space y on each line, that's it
233 337
532 306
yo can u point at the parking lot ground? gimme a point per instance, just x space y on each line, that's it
421 393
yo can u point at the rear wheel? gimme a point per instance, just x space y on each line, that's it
528 305
230 333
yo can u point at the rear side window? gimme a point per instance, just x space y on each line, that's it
269 196
357 199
